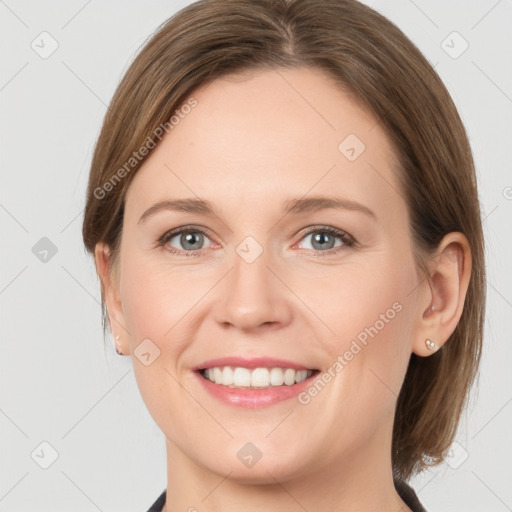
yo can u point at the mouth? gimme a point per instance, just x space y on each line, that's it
239 377
253 382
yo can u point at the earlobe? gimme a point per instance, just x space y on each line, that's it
430 344
445 292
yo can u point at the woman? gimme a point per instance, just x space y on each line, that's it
283 212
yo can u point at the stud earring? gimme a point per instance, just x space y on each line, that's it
118 345
430 344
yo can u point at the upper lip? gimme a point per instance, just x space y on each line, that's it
253 362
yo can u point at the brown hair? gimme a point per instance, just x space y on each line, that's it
370 57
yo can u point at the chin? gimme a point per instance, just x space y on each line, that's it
243 465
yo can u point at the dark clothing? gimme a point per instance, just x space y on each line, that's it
404 490
159 503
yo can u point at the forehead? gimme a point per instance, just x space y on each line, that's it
283 131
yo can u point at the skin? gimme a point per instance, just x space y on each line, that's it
252 143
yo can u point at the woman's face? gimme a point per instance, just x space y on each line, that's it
260 281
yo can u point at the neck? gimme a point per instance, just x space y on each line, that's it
362 481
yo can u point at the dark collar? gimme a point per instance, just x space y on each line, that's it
404 491
409 496
159 503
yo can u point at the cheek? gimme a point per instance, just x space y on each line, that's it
155 298
369 313
357 298
155 303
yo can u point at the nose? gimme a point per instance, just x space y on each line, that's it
254 296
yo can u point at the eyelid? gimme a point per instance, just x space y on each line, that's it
187 227
308 230
162 241
347 239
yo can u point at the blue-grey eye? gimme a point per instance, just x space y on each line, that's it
188 240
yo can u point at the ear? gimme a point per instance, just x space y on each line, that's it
111 296
444 292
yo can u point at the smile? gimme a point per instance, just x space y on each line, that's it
253 382
255 378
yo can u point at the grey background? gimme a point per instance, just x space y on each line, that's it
59 386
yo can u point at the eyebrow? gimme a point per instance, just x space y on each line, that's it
295 206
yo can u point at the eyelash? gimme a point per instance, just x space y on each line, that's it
348 240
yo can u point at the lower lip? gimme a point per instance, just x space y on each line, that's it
254 398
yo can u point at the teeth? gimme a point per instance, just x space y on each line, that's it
256 378
241 378
260 378
289 376
276 377
217 374
227 376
